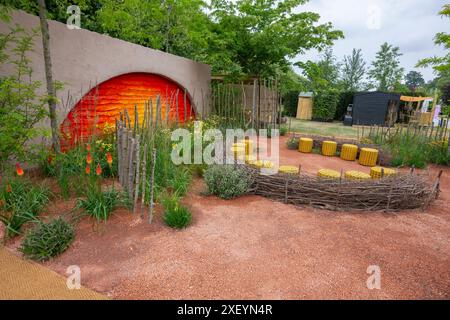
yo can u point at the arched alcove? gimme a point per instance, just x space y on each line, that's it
97 111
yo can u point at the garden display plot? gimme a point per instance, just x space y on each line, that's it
255 248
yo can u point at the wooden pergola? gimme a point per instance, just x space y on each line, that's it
415 103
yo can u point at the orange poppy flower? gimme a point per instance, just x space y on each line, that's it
88 169
89 158
109 158
98 171
8 188
88 147
19 170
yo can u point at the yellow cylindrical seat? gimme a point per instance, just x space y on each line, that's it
375 172
349 152
288 169
368 157
356 175
248 146
305 145
327 173
264 164
250 159
329 148
238 150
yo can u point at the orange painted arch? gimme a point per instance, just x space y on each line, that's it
98 110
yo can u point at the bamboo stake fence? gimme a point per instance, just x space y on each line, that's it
254 105
422 133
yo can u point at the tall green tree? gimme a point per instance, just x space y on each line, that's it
386 70
180 27
51 90
21 107
258 37
321 74
440 64
57 10
414 80
353 71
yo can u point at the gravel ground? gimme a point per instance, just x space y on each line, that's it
254 248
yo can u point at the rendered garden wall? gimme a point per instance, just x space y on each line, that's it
83 59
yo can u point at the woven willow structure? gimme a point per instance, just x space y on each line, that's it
392 193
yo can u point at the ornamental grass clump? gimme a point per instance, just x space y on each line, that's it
175 215
100 204
227 181
21 202
48 240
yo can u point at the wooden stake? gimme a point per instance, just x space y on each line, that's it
144 181
136 186
130 168
286 190
152 186
389 196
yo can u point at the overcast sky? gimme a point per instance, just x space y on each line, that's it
408 24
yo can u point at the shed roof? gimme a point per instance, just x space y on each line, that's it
305 94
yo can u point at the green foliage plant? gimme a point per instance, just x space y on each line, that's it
48 240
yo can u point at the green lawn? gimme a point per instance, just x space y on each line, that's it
331 129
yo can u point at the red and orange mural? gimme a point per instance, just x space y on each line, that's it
100 107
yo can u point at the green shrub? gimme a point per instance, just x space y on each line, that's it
180 180
175 215
283 130
292 143
227 181
48 240
21 107
21 202
325 103
99 204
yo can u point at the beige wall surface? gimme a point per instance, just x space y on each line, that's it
81 59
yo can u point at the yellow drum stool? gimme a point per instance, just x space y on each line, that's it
288 169
238 150
305 145
327 173
349 152
375 172
248 146
250 159
368 157
329 148
356 175
264 164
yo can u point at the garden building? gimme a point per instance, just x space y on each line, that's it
375 108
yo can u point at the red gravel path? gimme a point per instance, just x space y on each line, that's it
253 248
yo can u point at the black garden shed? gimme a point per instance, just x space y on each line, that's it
379 108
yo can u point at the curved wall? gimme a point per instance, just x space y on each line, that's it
83 59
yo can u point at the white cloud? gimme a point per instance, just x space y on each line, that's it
409 24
